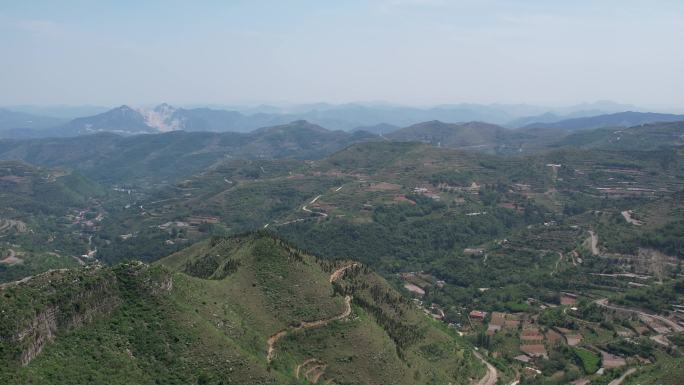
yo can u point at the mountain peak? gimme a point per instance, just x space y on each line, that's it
161 118
294 126
122 120
617 119
164 107
121 108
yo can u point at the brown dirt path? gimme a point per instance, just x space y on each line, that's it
624 375
312 324
309 361
491 376
338 273
593 242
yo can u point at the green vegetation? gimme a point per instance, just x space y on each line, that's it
668 239
657 298
471 230
130 323
590 361
666 371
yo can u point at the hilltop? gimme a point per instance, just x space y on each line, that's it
460 135
250 309
639 138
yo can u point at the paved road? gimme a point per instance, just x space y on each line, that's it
671 324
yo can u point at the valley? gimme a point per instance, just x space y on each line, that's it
560 266
384 192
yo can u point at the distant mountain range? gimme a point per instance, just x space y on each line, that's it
168 156
380 119
125 120
108 157
642 137
64 112
621 119
490 138
18 121
473 134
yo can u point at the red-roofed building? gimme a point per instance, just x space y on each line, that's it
477 314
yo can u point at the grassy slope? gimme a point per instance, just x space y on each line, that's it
355 351
212 326
27 191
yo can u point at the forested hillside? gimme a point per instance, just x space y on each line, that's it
246 309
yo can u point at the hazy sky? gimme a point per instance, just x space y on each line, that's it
404 51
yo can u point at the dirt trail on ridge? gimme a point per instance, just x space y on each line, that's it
313 324
338 273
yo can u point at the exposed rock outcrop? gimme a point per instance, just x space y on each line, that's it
42 309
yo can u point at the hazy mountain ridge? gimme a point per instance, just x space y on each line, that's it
621 119
17 121
121 120
172 155
379 118
109 157
642 138
472 134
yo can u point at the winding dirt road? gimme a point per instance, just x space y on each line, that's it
492 376
593 242
628 217
305 363
338 273
314 212
11 258
306 325
560 259
624 375
313 324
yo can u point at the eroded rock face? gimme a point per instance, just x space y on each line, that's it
71 313
41 331
92 293
166 285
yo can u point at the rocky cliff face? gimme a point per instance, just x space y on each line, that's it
93 293
35 312
42 330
